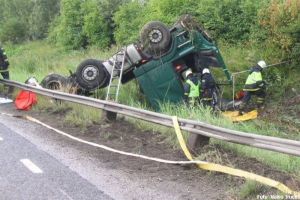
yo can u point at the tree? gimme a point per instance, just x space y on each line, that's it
14 18
85 22
32 17
13 30
43 13
68 27
95 26
129 21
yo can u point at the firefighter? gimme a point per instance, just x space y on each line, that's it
191 88
4 71
254 86
4 64
208 86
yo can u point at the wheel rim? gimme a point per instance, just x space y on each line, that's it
155 36
90 73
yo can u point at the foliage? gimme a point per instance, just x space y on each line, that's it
42 14
128 22
229 20
279 21
68 30
24 20
95 26
83 23
280 18
13 30
235 19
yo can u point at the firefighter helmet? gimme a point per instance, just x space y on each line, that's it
188 72
205 71
262 64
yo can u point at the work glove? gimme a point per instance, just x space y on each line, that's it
263 85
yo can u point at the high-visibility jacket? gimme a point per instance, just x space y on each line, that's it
254 81
194 89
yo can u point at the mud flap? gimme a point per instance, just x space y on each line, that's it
235 117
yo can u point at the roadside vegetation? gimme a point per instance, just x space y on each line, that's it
43 37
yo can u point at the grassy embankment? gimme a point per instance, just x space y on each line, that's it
39 59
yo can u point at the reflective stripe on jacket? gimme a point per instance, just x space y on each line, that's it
194 89
253 81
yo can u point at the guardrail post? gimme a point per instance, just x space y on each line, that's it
8 91
196 141
111 116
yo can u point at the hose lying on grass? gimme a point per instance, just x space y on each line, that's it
201 164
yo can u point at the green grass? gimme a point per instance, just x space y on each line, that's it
40 58
279 161
74 114
250 190
82 119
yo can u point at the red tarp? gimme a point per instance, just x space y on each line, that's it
25 100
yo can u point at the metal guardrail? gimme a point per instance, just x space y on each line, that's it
286 146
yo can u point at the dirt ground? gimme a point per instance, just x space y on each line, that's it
123 135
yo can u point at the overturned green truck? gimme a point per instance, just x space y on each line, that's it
157 62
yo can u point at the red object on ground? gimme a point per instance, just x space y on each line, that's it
25 100
239 95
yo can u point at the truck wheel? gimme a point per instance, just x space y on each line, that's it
91 74
156 38
54 82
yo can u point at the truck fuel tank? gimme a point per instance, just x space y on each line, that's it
133 57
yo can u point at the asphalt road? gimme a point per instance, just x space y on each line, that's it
29 173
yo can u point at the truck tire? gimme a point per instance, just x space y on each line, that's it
91 74
54 82
156 38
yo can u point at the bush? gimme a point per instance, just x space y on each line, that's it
95 26
235 20
85 22
280 19
67 29
42 13
128 22
229 20
26 20
280 22
13 30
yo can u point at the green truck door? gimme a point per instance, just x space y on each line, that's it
161 84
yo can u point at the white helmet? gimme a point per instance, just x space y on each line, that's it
188 72
205 71
32 81
262 64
